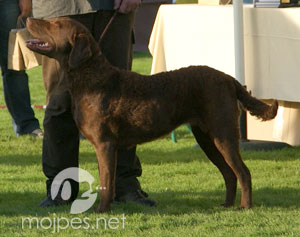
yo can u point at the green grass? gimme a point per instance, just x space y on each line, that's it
186 1
187 187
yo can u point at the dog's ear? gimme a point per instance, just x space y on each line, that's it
81 50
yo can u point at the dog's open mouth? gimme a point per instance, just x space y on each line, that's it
38 45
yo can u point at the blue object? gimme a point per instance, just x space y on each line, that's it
173 136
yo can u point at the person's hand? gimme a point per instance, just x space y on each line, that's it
126 6
25 8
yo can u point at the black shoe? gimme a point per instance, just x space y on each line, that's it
144 193
49 202
137 196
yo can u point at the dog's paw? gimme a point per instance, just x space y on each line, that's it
241 208
99 209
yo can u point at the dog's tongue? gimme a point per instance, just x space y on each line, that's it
36 44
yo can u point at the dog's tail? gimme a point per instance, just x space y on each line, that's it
256 107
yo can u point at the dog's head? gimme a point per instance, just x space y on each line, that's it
63 39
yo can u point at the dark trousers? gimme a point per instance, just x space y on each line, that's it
61 136
15 83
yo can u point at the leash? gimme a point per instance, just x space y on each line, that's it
109 22
107 26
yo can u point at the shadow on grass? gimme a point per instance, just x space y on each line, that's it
169 203
25 204
154 157
188 154
143 55
173 202
21 160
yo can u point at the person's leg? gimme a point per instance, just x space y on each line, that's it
116 45
61 136
128 172
15 83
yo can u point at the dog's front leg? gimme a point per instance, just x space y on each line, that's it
106 155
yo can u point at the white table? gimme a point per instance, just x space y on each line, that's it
194 34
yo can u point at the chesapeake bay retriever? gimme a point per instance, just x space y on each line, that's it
118 109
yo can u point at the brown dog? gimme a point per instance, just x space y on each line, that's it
116 108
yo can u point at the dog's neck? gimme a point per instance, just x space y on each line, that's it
95 73
98 61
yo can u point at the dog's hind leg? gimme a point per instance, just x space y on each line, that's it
227 142
217 159
106 155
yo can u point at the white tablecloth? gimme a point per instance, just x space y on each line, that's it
194 34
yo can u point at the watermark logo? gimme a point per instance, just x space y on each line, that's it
61 186
79 175
59 223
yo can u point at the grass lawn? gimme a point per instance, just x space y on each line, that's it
186 1
187 187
